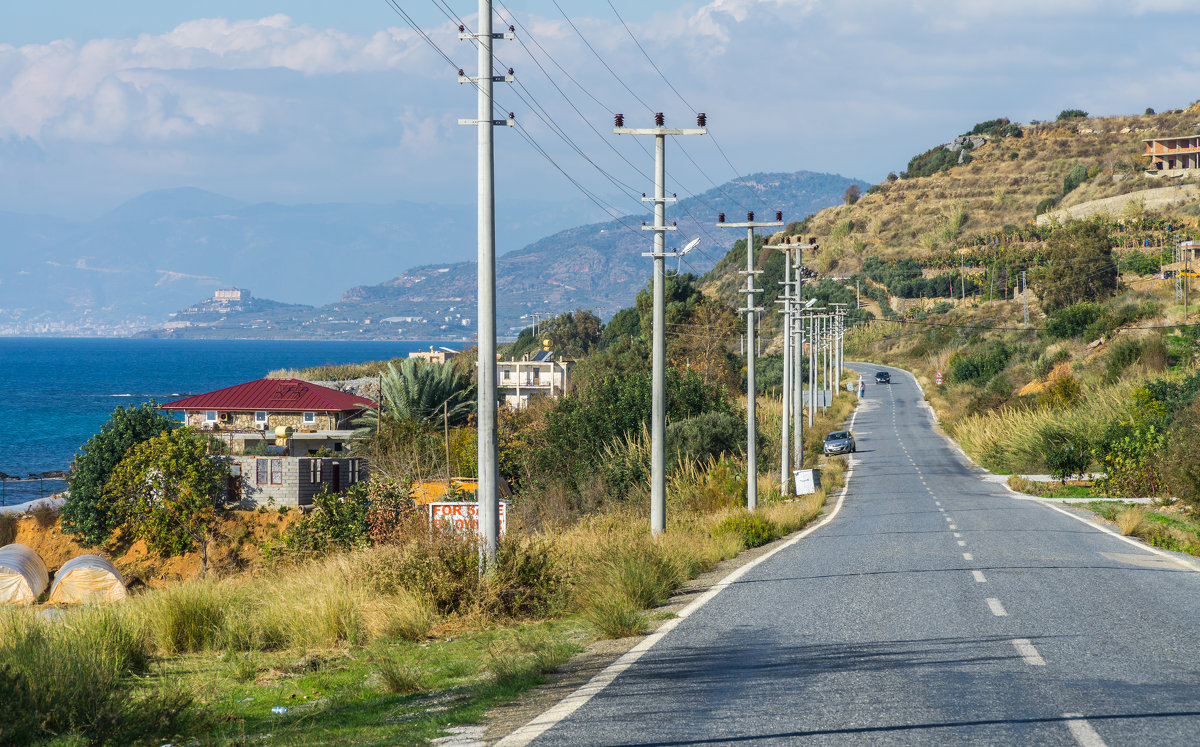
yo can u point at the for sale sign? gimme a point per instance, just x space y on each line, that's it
462 517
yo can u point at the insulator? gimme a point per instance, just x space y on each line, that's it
750 217
461 74
778 215
701 119
659 119
511 29
512 116
510 71
461 28
720 217
619 120
812 240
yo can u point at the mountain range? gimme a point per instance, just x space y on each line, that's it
138 267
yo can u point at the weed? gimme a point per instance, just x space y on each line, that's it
8 528
400 678
752 529
1131 520
44 514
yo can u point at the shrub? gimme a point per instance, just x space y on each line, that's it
1180 465
706 436
8 528
980 364
752 529
1045 205
1131 520
1066 454
1071 114
1128 453
1073 320
638 575
1062 392
1076 176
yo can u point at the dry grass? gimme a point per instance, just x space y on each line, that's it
1131 521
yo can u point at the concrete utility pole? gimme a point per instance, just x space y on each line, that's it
751 312
1024 298
488 491
837 350
658 406
787 299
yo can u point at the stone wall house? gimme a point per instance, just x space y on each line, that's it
290 481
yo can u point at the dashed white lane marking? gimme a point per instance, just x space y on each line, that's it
949 519
958 534
952 526
937 503
573 702
1083 732
979 576
962 544
1028 652
996 608
968 556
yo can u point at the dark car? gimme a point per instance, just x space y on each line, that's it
883 377
840 442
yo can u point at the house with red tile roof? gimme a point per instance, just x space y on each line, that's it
288 438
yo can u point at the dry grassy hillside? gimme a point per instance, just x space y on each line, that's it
1000 187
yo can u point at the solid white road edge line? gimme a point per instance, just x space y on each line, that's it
1028 652
996 608
573 702
1083 732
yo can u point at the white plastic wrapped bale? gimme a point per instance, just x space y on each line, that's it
87 578
23 575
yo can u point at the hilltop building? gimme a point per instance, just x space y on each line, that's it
536 375
433 356
1172 156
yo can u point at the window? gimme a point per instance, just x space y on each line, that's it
353 470
504 374
276 471
210 416
314 471
260 417
310 418
261 469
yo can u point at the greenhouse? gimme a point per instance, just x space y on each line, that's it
23 575
87 578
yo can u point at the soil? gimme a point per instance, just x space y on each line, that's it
243 534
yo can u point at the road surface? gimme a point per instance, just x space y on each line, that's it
936 608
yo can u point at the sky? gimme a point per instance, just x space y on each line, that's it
312 101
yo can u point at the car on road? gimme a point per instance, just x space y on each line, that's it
883 377
840 442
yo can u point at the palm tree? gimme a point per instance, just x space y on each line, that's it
421 392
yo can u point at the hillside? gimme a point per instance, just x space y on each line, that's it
596 266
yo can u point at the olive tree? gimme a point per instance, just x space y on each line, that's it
167 491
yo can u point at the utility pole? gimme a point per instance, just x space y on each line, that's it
751 313
788 301
488 492
837 346
1024 298
658 406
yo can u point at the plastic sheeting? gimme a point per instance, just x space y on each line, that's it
23 575
87 578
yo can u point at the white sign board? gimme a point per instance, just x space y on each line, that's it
824 397
462 517
807 481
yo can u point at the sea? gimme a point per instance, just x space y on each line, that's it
55 393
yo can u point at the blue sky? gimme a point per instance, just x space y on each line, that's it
311 101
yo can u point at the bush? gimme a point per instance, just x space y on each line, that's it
1180 465
752 529
979 365
706 436
1076 176
1066 454
1071 114
1073 320
1045 205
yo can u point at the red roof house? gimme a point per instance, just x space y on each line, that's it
268 403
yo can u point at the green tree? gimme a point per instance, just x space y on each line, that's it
422 392
1180 465
83 516
1080 266
166 491
624 324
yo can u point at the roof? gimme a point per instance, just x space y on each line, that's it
273 395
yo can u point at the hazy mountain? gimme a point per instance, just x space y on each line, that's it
130 267
595 266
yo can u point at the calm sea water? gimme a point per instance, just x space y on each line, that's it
56 393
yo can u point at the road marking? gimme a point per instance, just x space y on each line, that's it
958 534
962 544
938 503
996 608
1083 732
1028 652
953 526
968 556
979 576
573 702
949 519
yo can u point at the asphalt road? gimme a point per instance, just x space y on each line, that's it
936 608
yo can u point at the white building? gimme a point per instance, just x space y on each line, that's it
536 375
